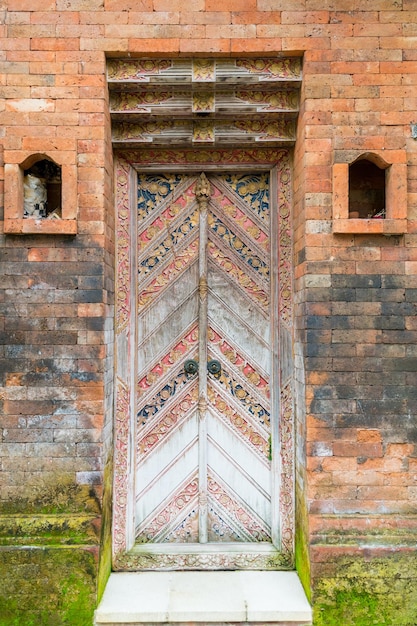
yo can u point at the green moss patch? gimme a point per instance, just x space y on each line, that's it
302 557
48 529
105 562
56 494
368 592
49 548
48 586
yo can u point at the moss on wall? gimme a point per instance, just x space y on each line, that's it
302 557
105 562
48 556
302 561
55 494
381 591
47 585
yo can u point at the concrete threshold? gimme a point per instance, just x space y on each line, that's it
226 597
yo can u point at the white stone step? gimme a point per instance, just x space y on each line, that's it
246 597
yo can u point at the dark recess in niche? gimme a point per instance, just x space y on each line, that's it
366 190
42 184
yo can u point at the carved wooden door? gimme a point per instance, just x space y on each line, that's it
205 359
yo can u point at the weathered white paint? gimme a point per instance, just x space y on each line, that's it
204 442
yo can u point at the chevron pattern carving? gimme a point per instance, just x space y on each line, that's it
219 475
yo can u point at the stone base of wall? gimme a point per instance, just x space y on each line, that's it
368 591
49 547
370 578
48 585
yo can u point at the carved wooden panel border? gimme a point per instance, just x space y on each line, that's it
125 555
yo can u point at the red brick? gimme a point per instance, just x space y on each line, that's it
128 5
178 5
50 43
305 17
358 95
229 5
357 449
254 17
36 5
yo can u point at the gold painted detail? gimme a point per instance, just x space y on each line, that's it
169 246
203 131
170 420
184 71
172 103
238 361
138 102
267 129
122 513
197 101
202 188
164 221
238 511
203 288
287 463
138 69
204 102
121 464
253 189
143 131
202 406
154 189
180 501
266 155
270 100
123 243
204 70
183 347
272 68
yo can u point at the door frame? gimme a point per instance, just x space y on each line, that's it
127 556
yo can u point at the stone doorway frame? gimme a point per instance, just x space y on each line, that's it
126 164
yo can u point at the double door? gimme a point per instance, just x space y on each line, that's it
206 359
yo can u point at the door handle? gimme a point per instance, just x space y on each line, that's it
214 367
191 366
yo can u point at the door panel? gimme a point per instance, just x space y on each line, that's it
230 311
239 475
223 468
178 293
167 331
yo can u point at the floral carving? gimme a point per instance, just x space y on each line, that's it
204 70
164 518
121 463
136 69
287 475
182 524
272 68
132 561
123 243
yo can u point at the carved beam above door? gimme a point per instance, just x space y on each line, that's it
220 102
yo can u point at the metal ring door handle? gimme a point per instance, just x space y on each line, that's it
191 366
214 367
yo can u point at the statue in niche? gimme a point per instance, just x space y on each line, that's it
35 196
42 190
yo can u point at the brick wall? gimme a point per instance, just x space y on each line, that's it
355 293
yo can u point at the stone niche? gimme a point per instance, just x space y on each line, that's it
40 197
370 194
